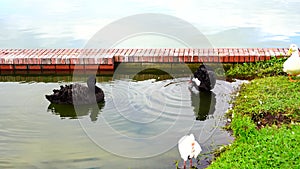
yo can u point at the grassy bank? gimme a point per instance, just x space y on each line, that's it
265 122
272 67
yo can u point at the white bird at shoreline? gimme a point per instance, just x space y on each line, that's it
188 148
292 65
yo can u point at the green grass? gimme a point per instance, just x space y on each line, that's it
272 67
271 95
274 145
267 148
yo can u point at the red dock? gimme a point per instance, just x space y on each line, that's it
105 59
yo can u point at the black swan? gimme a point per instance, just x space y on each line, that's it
204 78
77 94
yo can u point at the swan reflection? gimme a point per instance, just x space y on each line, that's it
204 104
75 112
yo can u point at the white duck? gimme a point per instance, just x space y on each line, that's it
188 148
292 65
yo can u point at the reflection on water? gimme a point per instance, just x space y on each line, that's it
69 111
28 78
204 104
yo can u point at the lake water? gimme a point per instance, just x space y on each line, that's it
137 127
141 121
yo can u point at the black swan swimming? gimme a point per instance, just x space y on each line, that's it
77 94
204 78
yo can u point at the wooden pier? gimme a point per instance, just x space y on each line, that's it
105 59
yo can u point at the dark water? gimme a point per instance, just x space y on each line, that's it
138 126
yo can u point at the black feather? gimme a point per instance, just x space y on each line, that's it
77 94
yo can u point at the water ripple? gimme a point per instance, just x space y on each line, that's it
140 114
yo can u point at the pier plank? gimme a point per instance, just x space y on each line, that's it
104 59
